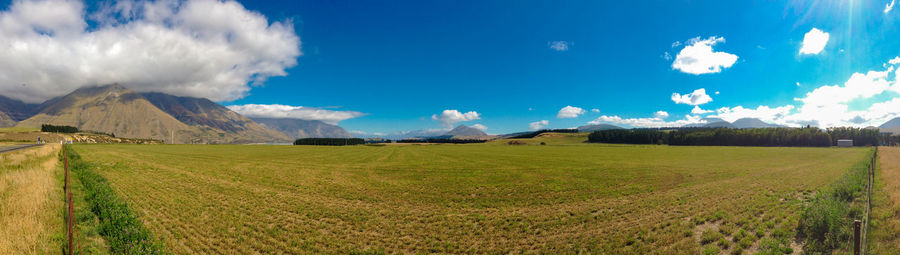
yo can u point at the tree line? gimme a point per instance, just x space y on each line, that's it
536 133
808 136
58 129
329 141
441 140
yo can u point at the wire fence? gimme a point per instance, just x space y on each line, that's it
870 182
71 223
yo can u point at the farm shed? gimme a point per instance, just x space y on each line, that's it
845 143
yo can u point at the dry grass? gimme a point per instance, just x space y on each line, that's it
30 202
884 233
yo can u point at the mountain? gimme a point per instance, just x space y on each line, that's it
297 128
895 122
201 112
12 111
124 113
599 127
719 124
463 130
752 123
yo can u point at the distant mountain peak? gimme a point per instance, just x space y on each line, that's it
463 130
895 122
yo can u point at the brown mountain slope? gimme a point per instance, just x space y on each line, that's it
111 109
201 112
298 128
117 110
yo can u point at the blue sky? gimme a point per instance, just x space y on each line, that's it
391 66
401 62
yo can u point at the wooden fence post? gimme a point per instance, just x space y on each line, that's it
71 225
856 245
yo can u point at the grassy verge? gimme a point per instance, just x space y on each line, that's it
826 222
29 202
110 216
884 224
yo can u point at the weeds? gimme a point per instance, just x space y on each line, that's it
124 233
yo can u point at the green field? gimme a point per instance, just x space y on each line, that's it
480 198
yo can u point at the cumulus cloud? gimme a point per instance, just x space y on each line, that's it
294 112
697 110
448 118
814 41
569 112
661 115
888 7
595 110
763 113
538 124
202 48
479 126
559 45
698 97
645 122
698 57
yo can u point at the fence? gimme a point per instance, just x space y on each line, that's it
70 215
859 239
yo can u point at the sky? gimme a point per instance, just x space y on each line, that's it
380 67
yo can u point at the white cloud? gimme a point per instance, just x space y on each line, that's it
645 122
448 118
814 41
569 112
595 110
698 97
293 112
676 44
202 48
889 7
699 57
717 92
763 113
697 110
559 45
894 61
538 124
480 127
661 115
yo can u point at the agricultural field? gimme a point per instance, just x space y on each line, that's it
477 198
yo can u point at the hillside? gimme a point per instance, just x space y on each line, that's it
201 112
463 130
297 128
117 110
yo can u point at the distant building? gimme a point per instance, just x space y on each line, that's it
845 143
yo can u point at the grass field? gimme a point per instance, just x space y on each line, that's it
483 198
885 218
31 203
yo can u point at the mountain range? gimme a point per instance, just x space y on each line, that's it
117 110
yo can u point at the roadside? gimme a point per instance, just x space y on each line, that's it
885 218
31 203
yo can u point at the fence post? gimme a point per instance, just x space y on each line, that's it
856 225
71 225
66 160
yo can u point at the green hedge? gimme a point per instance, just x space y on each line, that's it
58 129
329 141
122 230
